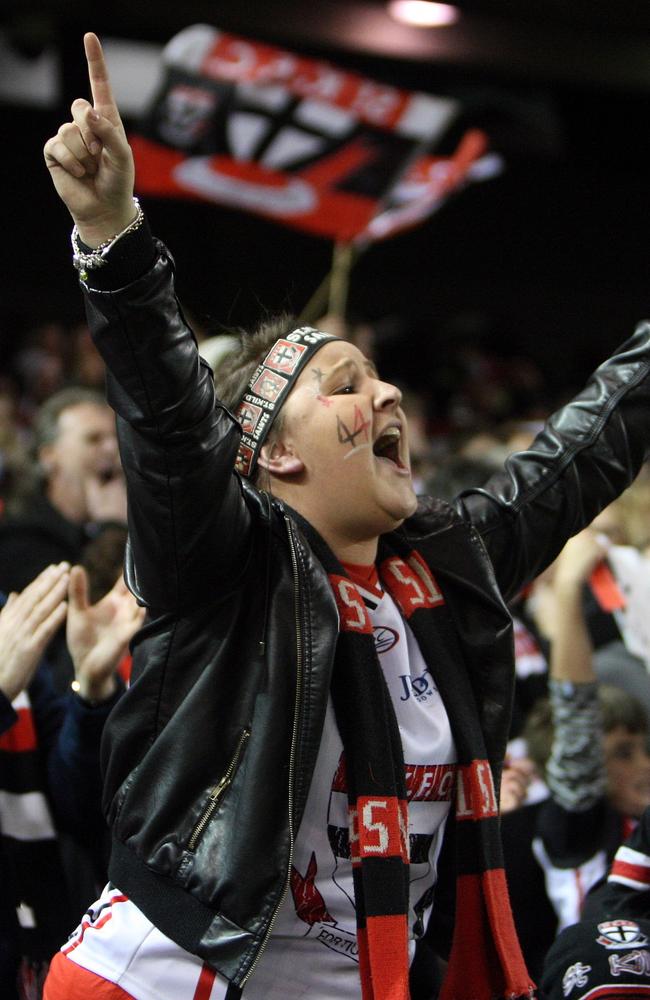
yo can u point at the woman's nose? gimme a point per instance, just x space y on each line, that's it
386 395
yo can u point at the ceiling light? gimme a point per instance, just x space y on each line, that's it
423 13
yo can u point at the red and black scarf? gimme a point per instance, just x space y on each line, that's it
485 960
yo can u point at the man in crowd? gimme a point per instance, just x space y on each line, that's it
81 494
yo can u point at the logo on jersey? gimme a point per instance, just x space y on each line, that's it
636 963
575 975
310 905
620 934
385 638
312 910
422 687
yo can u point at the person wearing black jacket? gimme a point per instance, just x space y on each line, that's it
271 545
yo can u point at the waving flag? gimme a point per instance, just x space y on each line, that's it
258 128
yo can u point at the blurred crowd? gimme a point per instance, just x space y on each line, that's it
576 786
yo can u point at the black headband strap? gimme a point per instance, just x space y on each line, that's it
268 388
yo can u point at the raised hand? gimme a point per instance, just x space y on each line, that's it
27 623
98 634
90 160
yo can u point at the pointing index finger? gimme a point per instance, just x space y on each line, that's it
100 84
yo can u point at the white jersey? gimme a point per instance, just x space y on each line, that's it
312 950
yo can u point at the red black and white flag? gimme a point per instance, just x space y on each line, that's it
257 128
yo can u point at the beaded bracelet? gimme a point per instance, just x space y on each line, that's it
85 262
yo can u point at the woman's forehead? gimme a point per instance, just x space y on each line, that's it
339 354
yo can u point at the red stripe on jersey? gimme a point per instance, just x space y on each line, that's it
20 737
364 576
205 984
430 782
609 990
89 924
124 667
340 780
639 873
424 782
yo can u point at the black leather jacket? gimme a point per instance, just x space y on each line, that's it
209 755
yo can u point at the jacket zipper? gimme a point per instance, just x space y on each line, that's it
217 792
294 740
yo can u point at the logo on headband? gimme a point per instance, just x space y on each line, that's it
244 460
248 416
285 356
269 385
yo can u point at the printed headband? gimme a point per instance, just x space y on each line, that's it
269 386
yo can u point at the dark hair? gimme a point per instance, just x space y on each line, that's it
233 373
618 708
46 422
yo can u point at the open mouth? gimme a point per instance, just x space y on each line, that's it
387 446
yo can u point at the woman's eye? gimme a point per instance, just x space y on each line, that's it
344 390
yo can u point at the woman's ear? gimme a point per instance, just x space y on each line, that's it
279 459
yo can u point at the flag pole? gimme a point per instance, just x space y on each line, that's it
317 304
331 295
339 287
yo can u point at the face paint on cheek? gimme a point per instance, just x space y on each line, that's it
359 429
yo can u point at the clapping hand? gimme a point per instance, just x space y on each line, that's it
98 634
28 622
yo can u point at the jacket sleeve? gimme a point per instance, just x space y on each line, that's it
73 766
626 891
188 523
588 453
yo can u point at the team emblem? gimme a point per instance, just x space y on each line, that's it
248 415
268 385
385 638
620 934
187 115
285 356
575 975
244 460
636 963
